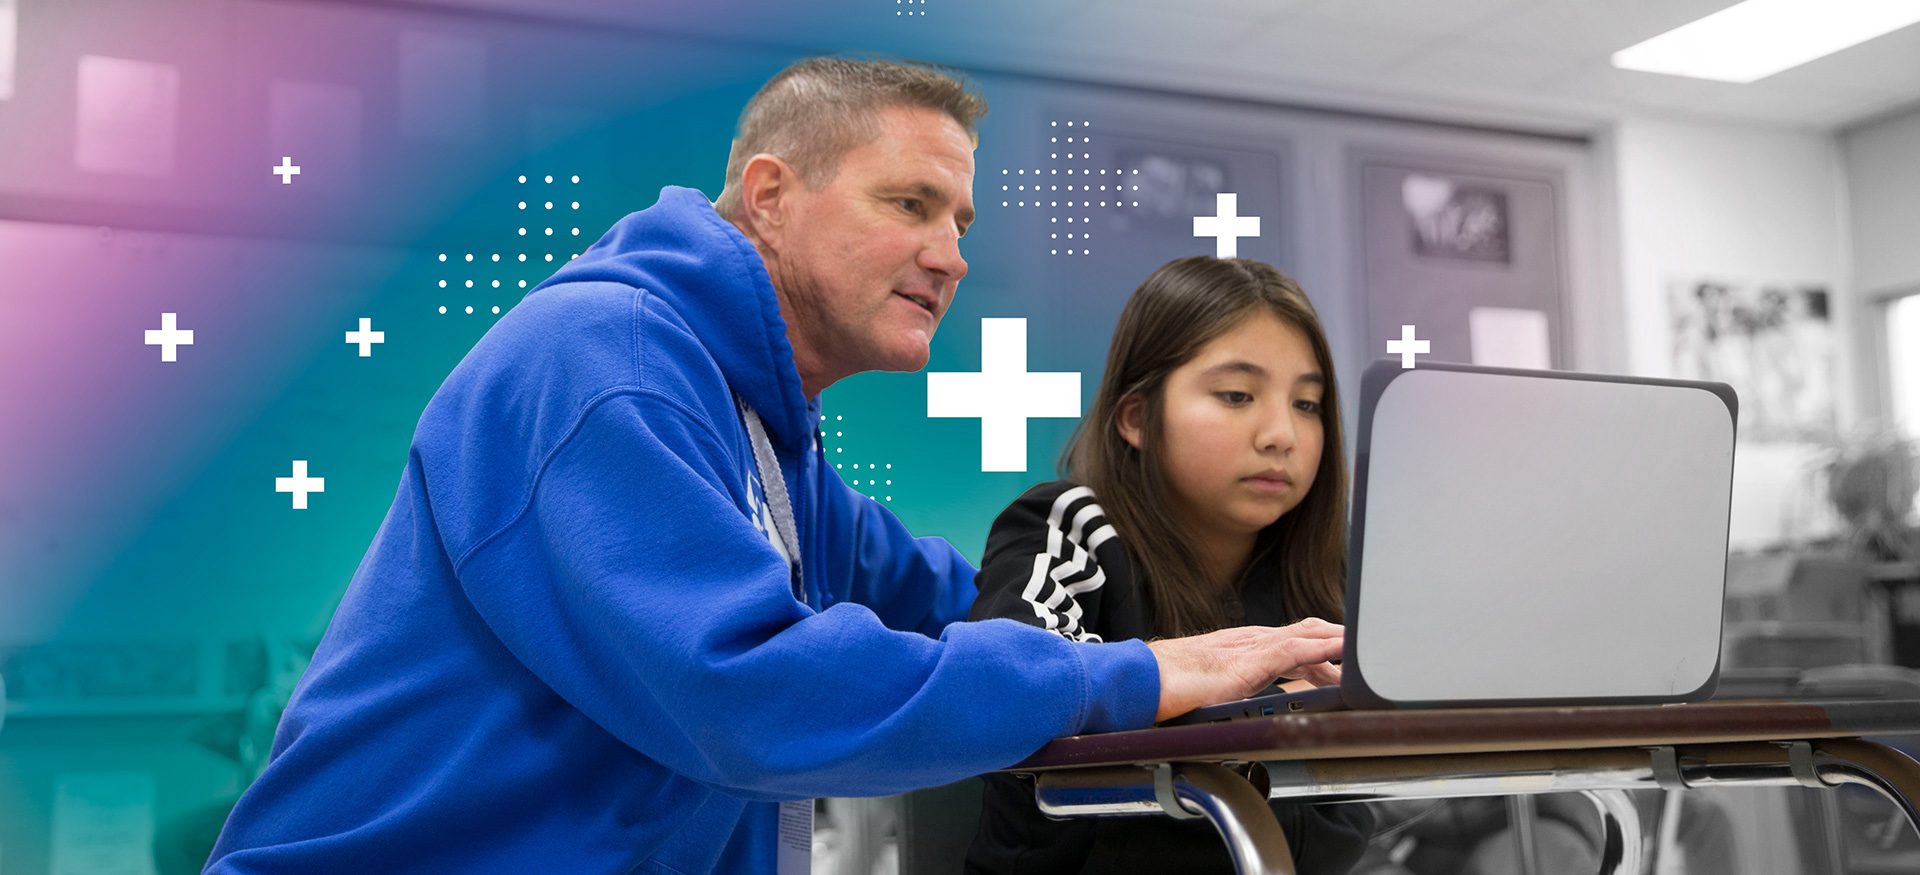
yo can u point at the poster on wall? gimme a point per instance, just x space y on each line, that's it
1771 341
1471 256
1453 219
1172 187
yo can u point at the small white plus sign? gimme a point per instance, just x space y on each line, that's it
287 170
366 337
1406 347
169 337
300 484
1003 395
1226 228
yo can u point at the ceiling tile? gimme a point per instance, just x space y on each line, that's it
1432 18
1472 54
1467 64
1590 27
1771 103
1890 62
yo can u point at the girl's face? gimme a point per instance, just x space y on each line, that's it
1243 431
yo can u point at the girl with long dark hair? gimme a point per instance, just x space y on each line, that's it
1205 489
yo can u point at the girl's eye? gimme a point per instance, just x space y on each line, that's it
1305 406
1234 398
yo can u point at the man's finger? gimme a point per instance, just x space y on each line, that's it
1301 651
1313 627
1321 674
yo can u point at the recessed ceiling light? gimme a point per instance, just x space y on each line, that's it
1758 38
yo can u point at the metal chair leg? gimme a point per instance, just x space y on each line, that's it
1623 846
1225 799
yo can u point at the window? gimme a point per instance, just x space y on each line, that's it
1903 355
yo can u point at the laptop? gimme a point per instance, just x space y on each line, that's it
1529 538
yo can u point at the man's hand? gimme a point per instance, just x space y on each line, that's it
1235 663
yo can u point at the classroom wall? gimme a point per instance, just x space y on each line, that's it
1883 189
1743 203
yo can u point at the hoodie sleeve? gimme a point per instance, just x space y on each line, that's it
1039 566
914 584
636 589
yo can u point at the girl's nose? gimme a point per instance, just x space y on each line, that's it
1276 431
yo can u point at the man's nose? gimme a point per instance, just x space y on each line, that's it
941 256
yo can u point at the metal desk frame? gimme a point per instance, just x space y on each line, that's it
1599 752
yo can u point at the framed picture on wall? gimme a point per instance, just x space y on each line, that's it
1456 219
1771 341
1174 185
1472 257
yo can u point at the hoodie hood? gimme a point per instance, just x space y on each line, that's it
684 253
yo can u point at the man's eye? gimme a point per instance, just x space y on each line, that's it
910 204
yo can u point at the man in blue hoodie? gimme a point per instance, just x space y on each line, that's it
624 616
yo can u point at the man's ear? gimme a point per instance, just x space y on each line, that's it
1130 420
767 189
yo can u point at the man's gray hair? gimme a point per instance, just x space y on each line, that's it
812 113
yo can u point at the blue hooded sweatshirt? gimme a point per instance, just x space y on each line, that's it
572 646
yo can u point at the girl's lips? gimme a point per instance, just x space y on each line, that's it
1275 484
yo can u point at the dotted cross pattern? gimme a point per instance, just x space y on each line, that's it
1003 395
868 483
558 202
1044 187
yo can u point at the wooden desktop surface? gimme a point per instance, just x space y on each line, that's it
1345 734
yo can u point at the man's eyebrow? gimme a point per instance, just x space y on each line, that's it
927 191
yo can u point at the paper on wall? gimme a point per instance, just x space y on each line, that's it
1507 338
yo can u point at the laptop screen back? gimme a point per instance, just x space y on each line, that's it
1536 537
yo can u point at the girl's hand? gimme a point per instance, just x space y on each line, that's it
1235 663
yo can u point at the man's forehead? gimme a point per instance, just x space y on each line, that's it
925 128
926 175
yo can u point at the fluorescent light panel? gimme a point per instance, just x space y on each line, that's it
1758 38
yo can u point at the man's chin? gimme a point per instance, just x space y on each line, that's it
910 364
906 358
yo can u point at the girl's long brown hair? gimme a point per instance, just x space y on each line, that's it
1181 307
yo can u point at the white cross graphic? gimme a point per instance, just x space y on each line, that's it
287 170
366 337
1226 228
169 337
1003 395
1407 347
300 484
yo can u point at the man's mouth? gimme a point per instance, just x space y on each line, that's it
924 302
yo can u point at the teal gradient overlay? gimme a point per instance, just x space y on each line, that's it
155 589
